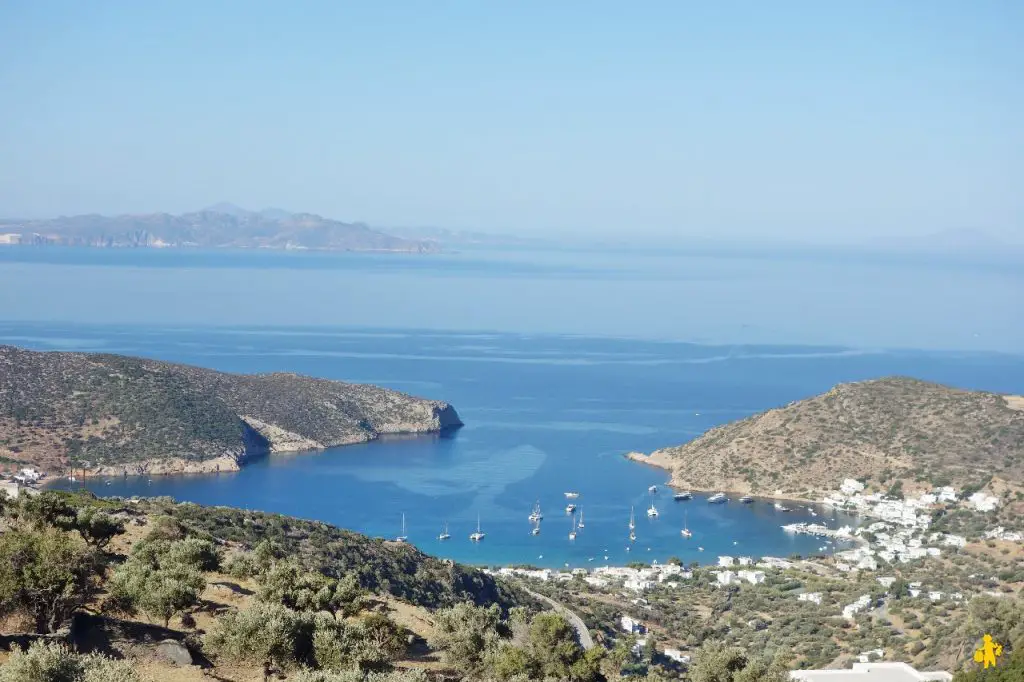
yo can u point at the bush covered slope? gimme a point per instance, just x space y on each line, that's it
890 429
114 411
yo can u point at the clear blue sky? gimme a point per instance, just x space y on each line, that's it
810 120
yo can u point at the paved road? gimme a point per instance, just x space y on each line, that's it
586 641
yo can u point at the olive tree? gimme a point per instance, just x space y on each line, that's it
46 573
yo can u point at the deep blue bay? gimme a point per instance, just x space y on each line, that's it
543 414
587 356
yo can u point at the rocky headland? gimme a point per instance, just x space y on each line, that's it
111 415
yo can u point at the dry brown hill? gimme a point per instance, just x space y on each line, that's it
115 414
892 429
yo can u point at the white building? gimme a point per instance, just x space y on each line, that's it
810 596
871 672
850 610
744 561
982 502
851 486
638 584
752 577
633 627
725 561
725 577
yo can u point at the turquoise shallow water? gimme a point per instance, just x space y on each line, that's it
544 415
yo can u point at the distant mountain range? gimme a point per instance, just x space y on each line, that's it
219 226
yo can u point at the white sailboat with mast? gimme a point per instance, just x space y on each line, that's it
535 515
685 531
580 524
403 537
632 526
478 535
572 533
444 534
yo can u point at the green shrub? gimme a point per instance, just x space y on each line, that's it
264 632
54 662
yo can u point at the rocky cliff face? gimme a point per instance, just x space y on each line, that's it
113 415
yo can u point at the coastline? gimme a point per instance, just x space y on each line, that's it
658 463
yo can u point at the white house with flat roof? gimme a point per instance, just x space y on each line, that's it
871 672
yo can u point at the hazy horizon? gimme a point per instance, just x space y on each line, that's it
794 122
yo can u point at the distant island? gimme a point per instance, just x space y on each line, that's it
116 415
219 226
897 432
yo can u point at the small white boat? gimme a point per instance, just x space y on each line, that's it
572 533
700 549
746 499
580 524
652 511
685 495
685 531
444 534
653 489
717 498
478 535
571 496
781 507
632 523
570 508
535 530
403 537
535 515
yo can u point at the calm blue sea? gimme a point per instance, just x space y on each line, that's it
593 356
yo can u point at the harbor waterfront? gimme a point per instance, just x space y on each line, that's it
544 416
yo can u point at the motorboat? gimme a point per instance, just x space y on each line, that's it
570 508
571 496
685 495
746 499
653 489
717 498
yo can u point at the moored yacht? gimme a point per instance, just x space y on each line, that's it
535 515
717 498
572 533
632 522
403 537
444 534
571 496
570 508
478 535
580 524
746 499
652 511
653 489
685 532
685 495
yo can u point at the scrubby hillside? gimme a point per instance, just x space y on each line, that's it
114 414
892 429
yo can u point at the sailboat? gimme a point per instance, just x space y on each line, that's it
653 511
535 515
632 523
580 524
685 531
444 535
403 537
572 533
536 528
478 535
